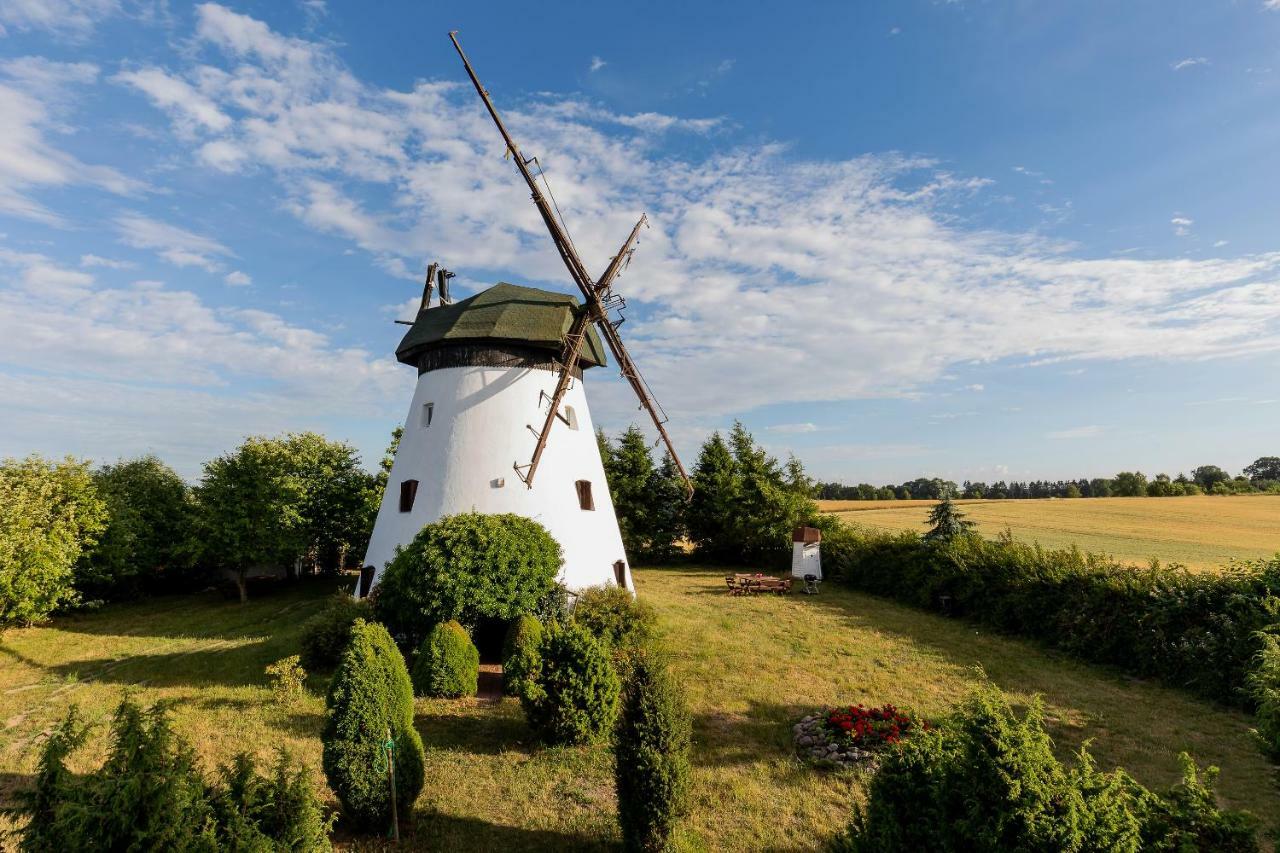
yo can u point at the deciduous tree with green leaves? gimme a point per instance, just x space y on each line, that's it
50 514
143 547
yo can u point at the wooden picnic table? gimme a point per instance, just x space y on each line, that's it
742 583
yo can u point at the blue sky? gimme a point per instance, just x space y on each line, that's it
969 239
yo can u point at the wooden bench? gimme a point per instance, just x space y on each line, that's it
752 584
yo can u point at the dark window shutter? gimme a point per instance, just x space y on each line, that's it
584 494
620 573
408 491
366 580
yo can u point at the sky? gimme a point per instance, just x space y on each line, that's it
987 240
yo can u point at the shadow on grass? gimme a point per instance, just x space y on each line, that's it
231 666
447 832
763 732
208 614
496 730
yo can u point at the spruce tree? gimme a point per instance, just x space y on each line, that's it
715 490
946 522
630 475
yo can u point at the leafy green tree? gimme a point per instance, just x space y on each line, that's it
468 567
388 459
1208 476
145 543
1073 491
1129 484
946 522
50 515
652 752
1264 468
338 498
249 510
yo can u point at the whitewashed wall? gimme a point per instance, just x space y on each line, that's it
478 430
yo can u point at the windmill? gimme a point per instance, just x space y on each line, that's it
596 295
485 363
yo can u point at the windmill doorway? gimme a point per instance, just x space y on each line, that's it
488 636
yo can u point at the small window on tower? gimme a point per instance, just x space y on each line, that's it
584 495
570 417
408 491
428 409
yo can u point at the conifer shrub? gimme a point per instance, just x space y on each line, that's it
520 654
149 795
468 567
325 635
652 752
572 696
371 696
988 780
277 811
447 665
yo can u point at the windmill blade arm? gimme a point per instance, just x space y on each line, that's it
569 362
632 374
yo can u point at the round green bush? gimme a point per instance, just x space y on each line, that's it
572 697
613 615
520 654
652 752
370 695
325 635
468 567
447 665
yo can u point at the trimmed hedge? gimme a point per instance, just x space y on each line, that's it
520 654
370 695
652 752
468 567
325 635
988 780
572 697
447 665
1198 630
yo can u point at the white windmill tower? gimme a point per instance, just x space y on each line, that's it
487 366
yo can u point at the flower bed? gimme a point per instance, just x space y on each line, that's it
851 736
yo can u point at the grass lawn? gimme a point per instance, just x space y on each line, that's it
750 666
1201 531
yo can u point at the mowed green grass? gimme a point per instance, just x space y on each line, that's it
750 666
1201 532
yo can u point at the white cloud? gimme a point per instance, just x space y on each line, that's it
108 263
893 31
1091 431
822 298
1190 62
176 245
793 428
1218 244
975 387
1182 225
149 368
237 278
34 92
596 64
73 19
1273 5
191 109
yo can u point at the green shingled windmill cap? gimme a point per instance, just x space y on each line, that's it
505 313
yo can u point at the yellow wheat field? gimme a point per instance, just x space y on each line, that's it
1200 532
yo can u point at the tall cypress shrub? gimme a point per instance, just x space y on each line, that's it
520 654
652 756
371 694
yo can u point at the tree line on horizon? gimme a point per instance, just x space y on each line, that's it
1262 475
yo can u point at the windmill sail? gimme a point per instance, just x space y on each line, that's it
593 309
